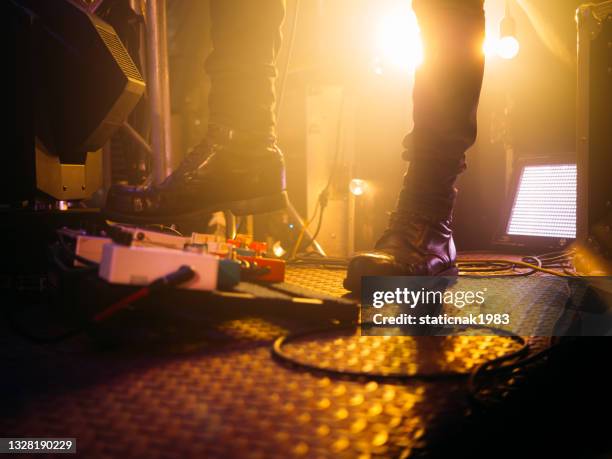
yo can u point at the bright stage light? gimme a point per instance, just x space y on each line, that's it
398 39
508 47
358 187
489 47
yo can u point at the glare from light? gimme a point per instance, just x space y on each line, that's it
545 202
377 66
508 47
358 187
277 249
398 39
489 47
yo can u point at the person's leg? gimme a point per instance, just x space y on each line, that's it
418 240
238 166
246 38
446 93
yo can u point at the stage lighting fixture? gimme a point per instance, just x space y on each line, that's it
508 46
542 205
358 186
72 84
399 40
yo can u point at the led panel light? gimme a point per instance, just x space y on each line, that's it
545 202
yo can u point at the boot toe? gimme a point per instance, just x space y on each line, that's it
379 263
369 264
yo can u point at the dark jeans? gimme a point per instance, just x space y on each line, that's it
446 92
246 39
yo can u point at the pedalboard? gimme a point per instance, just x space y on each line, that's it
131 255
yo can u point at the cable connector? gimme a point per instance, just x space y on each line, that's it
178 277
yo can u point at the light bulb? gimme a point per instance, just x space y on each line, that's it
358 186
508 47
277 249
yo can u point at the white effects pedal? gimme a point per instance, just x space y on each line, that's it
121 264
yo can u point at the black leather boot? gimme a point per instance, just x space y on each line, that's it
414 244
227 171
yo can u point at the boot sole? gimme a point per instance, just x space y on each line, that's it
259 205
353 285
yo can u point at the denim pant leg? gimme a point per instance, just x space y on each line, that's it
246 37
446 92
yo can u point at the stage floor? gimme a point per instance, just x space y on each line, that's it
223 395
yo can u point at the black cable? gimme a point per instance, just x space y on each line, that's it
473 266
70 252
55 256
240 226
281 94
18 329
483 266
319 223
484 369
279 353
323 198
165 229
548 262
506 268
556 253
542 262
491 268
316 259
283 82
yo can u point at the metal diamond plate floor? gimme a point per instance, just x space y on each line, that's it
225 396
